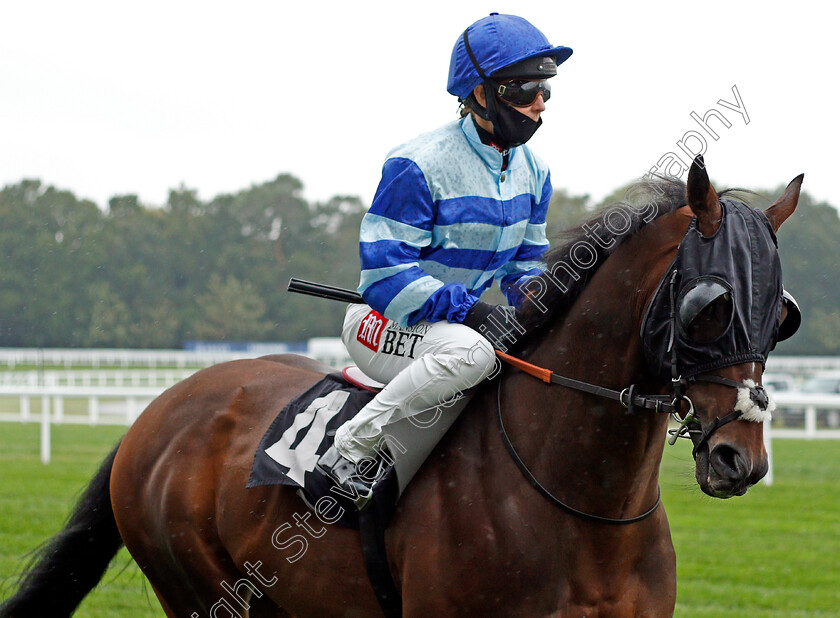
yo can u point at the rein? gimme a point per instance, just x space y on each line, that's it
523 467
630 400
626 397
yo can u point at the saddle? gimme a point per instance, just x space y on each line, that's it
305 428
360 379
302 431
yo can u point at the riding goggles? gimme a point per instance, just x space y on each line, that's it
522 92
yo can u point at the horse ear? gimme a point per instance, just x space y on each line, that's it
783 207
702 198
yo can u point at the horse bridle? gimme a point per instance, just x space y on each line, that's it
689 425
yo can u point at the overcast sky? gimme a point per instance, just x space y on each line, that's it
107 98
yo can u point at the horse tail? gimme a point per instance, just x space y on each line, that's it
68 566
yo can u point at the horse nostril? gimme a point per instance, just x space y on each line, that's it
728 463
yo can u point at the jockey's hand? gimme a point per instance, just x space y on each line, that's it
496 322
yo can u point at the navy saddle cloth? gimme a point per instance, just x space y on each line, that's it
301 433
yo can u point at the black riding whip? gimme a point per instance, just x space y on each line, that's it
322 290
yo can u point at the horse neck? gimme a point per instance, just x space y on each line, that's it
573 440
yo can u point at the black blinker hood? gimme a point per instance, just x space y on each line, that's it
743 253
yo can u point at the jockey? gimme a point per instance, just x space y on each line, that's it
456 208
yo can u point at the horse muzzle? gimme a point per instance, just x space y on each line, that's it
729 450
724 470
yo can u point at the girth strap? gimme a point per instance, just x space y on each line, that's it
376 562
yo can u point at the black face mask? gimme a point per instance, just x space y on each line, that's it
510 126
720 301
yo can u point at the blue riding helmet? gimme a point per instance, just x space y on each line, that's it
497 41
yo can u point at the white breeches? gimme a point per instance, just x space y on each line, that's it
426 366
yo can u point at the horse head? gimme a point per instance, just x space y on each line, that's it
678 292
719 310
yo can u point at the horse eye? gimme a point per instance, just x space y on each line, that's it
712 321
705 310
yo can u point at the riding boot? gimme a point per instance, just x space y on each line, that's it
343 471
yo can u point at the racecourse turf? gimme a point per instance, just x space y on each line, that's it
772 553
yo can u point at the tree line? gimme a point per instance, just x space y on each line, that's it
135 276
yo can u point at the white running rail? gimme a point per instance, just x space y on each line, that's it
814 416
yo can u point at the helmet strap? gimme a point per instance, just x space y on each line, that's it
487 113
472 103
511 127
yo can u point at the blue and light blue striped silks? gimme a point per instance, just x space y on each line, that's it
445 221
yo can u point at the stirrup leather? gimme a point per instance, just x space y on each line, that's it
343 472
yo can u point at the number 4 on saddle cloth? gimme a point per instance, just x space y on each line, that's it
306 427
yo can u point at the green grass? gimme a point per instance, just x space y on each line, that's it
35 500
772 553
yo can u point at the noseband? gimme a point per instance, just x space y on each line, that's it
690 424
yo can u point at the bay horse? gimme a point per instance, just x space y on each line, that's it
471 536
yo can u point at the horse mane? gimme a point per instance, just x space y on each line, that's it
565 273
